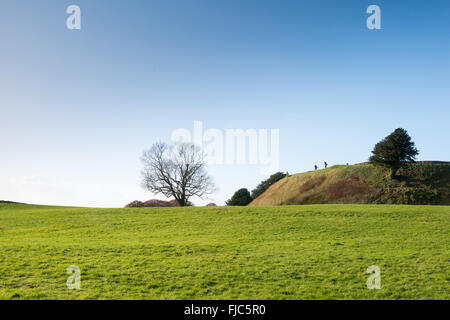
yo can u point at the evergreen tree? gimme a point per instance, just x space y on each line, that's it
240 198
394 151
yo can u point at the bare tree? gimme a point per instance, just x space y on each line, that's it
176 171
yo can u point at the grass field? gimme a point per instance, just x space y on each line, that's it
297 252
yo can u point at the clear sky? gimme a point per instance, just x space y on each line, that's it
78 107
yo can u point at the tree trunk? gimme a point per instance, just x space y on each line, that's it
393 172
181 202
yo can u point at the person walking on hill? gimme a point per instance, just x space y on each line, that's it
326 164
315 167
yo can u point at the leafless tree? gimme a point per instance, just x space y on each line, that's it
176 171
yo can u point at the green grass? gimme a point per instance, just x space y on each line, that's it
295 252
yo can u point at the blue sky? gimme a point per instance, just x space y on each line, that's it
78 108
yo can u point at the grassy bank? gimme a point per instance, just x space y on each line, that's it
421 183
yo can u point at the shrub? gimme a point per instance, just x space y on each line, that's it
174 203
157 203
135 204
264 185
240 198
153 203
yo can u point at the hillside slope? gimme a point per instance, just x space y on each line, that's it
420 183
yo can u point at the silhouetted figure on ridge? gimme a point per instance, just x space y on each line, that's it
315 167
326 164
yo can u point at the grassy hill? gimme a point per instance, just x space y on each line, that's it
290 252
420 183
